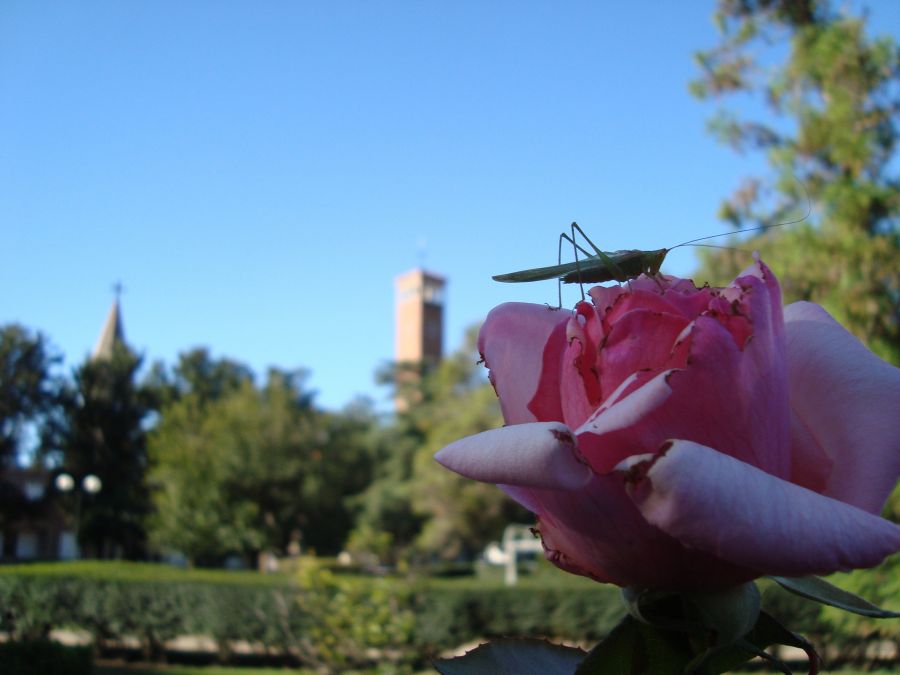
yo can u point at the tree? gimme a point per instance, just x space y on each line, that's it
198 373
28 391
424 510
103 434
29 394
831 139
194 514
274 469
836 102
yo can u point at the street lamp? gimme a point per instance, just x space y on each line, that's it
90 484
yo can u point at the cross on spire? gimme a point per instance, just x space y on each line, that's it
112 332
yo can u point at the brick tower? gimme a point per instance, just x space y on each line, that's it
419 318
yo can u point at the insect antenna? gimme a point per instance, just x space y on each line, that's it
751 229
727 248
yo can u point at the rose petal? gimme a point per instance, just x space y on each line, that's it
721 398
607 436
639 340
846 397
715 503
596 531
731 392
579 386
679 297
811 466
512 335
540 454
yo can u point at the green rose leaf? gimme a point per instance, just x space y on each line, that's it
636 648
767 632
816 588
514 657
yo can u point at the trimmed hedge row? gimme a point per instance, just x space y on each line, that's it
45 658
153 612
277 617
321 617
448 616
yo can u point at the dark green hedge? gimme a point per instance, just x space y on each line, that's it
445 613
154 612
42 657
447 616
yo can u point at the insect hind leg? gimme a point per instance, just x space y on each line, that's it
617 272
576 248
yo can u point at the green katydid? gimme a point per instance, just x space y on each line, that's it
601 266
618 266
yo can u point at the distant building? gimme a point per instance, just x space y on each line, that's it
112 334
419 319
39 529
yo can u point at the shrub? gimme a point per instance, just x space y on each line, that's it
344 621
42 657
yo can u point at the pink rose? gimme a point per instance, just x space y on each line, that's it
679 438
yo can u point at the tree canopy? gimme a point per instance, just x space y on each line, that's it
28 388
104 413
237 468
830 140
416 507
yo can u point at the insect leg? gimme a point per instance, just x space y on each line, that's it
618 274
575 245
559 262
575 248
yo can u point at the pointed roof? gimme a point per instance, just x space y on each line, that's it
111 335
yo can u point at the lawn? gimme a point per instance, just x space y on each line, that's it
189 670
215 670
208 670
121 570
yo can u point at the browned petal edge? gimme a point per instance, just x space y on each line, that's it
482 361
561 560
765 276
638 472
568 437
593 389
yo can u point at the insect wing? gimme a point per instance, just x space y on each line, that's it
631 264
540 273
595 270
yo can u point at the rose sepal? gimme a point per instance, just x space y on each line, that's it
724 616
816 588
691 633
766 633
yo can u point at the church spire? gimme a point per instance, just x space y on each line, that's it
112 334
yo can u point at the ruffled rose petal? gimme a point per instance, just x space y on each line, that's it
720 398
596 531
510 340
678 296
636 397
540 454
639 340
737 513
847 398
730 392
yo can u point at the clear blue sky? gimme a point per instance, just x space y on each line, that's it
256 173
